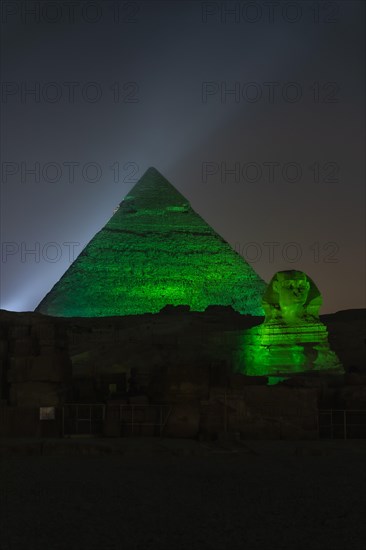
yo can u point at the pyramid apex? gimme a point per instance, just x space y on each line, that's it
153 171
153 190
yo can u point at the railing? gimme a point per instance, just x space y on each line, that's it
90 418
134 417
342 424
83 418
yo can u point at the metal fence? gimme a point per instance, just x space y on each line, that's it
83 419
342 424
91 419
140 419
134 419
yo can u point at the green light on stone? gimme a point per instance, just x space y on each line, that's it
292 339
154 251
273 380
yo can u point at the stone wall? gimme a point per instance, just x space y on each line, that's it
177 357
36 366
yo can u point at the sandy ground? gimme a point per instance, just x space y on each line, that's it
175 494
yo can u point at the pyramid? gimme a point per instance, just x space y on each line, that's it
154 251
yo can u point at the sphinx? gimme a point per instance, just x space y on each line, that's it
291 298
292 339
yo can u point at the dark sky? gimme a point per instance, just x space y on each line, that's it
273 90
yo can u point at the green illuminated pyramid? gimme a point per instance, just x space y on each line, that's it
154 251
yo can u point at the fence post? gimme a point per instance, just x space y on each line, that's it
225 412
331 424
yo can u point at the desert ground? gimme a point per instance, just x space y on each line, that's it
155 493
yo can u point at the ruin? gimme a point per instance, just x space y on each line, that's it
158 326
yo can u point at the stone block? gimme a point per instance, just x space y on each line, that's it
112 427
23 347
19 332
355 379
55 367
187 380
20 362
184 420
34 394
3 348
138 400
352 397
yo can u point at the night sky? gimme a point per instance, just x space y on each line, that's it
255 111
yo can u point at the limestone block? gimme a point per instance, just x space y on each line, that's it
55 365
112 427
34 394
20 362
352 397
187 380
24 346
3 348
138 400
184 420
53 368
19 332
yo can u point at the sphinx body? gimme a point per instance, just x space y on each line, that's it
292 339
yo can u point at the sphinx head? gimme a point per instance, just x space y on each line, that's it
291 297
